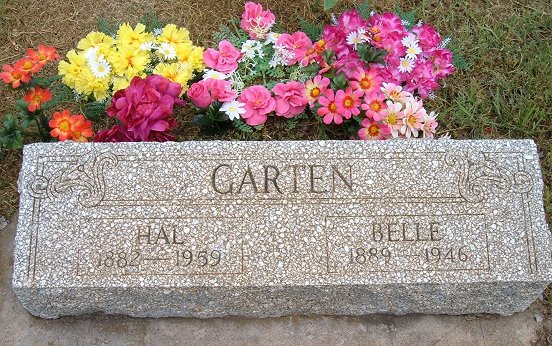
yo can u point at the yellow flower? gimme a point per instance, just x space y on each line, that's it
173 34
180 73
72 69
129 62
192 55
87 84
120 83
95 39
133 37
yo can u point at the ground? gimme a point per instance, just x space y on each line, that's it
505 93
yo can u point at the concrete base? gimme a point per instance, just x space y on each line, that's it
18 327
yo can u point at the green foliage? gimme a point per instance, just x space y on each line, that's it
106 27
313 31
329 4
232 33
408 17
242 126
458 59
10 136
43 82
364 9
369 54
95 110
151 21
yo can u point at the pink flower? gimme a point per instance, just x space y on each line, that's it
290 99
367 81
255 21
442 62
146 105
199 95
120 133
225 59
414 112
373 105
348 102
258 103
316 87
428 37
392 116
422 79
430 125
373 130
298 43
351 21
220 89
329 109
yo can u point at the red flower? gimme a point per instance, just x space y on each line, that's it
35 97
42 55
27 65
14 76
66 126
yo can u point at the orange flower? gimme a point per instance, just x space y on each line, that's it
35 97
14 76
66 126
27 65
43 54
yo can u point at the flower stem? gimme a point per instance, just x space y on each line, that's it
43 126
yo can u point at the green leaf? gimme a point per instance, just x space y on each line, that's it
369 54
44 82
408 17
313 31
95 110
339 82
10 136
328 4
110 29
364 9
151 21
243 127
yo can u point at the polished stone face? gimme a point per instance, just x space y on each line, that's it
274 228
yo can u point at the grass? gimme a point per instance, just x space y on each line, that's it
506 92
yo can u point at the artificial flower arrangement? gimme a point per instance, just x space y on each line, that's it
370 72
366 72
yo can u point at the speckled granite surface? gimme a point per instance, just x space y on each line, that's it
276 228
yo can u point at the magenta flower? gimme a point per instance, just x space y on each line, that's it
373 130
348 102
428 37
329 109
146 105
255 21
290 99
258 103
223 60
298 43
220 89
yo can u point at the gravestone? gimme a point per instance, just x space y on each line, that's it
261 229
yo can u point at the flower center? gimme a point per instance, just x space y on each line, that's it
348 102
315 92
392 119
232 109
65 125
373 130
27 65
405 63
332 107
365 83
375 106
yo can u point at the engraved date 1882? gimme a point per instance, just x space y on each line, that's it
181 258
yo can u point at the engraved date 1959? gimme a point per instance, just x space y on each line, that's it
180 258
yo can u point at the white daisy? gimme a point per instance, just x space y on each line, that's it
233 109
252 48
357 37
406 65
148 46
412 51
409 40
167 50
272 37
214 75
100 68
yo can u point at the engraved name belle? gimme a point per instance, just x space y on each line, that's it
307 178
